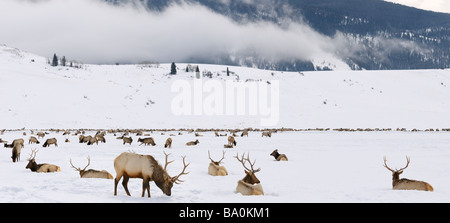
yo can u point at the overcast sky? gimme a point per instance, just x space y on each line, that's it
432 5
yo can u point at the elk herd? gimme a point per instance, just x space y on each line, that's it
146 167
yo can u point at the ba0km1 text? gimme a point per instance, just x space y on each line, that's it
246 212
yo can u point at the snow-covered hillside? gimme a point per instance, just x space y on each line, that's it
38 96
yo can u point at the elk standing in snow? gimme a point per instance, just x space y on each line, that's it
15 142
41 134
147 141
250 184
168 143
48 142
406 184
267 134
128 140
33 140
215 169
231 140
40 168
132 165
92 173
279 157
16 152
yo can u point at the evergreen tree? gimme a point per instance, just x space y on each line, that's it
55 60
173 68
228 72
63 61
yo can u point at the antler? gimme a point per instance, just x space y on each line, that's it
167 163
175 179
242 160
407 163
223 157
33 154
79 169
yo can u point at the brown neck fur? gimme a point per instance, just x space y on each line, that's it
158 173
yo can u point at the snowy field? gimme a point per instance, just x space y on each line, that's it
322 167
326 166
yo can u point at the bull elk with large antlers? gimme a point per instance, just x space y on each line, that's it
250 184
40 168
406 184
91 173
215 169
132 165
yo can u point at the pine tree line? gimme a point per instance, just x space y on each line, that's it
55 61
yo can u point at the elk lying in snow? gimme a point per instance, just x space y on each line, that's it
215 169
147 141
128 140
33 140
92 173
192 143
267 134
406 184
231 140
16 152
168 143
228 146
217 134
250 184
40 168
279 157
48 142
132 165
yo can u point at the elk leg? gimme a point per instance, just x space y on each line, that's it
146 185
116 181
125 184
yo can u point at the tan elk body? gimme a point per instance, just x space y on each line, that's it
215 169
132 165
16 153
406 184
50 141
192 143
231 141
168 143
250 184
278 156
147 141
91 173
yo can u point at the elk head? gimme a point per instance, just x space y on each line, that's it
218 162
31 162
396 173
82 171
250 176
166 187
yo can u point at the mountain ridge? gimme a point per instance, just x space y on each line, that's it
421 37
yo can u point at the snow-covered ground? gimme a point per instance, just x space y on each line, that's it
322 167
36 95
326 166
